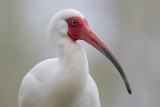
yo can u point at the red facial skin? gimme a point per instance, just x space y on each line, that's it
82 31
74 31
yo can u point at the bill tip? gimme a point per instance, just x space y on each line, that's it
130 91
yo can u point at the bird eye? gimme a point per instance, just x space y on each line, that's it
74 22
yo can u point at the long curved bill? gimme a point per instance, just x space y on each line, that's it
88 36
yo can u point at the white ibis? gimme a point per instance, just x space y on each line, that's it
65 81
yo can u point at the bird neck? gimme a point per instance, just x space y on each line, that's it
72 55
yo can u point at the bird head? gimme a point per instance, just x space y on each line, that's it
69 26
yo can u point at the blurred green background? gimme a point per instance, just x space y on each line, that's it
130 28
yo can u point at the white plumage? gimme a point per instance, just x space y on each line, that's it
63 81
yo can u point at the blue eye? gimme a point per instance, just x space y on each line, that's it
74 22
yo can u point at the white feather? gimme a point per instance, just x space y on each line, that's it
64 81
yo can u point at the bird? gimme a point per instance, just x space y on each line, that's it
65 81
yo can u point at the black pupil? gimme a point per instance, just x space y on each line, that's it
74 22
